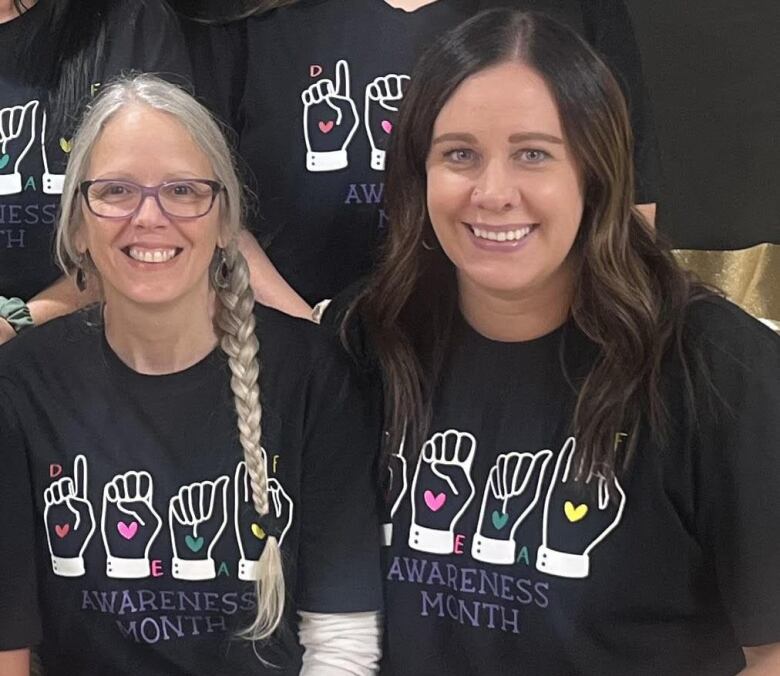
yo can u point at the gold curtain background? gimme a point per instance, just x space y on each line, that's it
749 277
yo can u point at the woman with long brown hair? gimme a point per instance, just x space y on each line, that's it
582 441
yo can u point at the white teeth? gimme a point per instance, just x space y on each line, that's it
151 255
502 235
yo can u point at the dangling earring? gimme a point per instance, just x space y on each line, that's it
81 274
81 278
221 270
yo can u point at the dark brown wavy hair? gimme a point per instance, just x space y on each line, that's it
630 295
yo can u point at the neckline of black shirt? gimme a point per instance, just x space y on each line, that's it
158 386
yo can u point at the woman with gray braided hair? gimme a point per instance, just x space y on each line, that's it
164 496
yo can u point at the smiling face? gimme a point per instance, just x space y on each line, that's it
149 257
504 193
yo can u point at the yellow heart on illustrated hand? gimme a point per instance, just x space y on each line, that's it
258 531
573 513
66 145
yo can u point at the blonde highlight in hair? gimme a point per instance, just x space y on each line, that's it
235 319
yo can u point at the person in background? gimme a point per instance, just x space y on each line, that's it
56 56
182 469
312 90
582 458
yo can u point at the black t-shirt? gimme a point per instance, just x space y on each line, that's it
312 91
141 35
503 562
130 534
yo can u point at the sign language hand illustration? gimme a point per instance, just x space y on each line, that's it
197 516
252 530
17 135
129 524
330 121
442 489
70 521
52 182
397 485
578 515
383 96
512 491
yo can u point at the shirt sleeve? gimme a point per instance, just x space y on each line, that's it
20 624
738 451
344 644
608 28
339 569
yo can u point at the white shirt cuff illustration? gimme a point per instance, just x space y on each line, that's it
377 159
489 550
430 540
53 183
248 570
562 564
10 184
386 534
68 567
188 569
327 161
118 567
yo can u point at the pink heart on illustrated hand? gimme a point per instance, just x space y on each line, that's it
434 502
325 127
127 531
387 126
62 530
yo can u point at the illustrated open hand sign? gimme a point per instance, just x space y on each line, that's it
129 524
329 121
383 95
512 490
17 134
52 182
578 516
397 485
70 521
197 516
442 489
252 530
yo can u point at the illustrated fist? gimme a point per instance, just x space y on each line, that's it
512 490
442 489
383 96
17 134
70 521
129 524
252 530
197 516
329 121
578 515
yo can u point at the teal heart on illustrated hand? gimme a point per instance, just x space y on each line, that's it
195 544
499 519
4 160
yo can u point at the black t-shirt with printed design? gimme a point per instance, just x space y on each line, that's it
141 35
502 560
312 91
130 535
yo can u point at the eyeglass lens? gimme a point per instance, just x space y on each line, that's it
185 199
